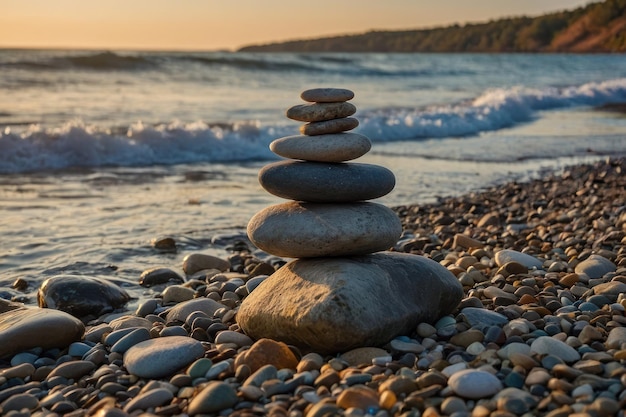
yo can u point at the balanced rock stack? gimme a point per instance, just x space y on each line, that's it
342 292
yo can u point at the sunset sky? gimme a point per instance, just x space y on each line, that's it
229 24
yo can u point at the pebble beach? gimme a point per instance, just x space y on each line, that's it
540 331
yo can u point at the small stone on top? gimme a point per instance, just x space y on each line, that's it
327 95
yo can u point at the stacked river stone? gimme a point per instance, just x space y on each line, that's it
340 293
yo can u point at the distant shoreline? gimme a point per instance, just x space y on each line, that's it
595 28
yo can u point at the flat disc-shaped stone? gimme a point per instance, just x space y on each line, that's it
338 147
327 95
300 230
323 182
318 112
329 126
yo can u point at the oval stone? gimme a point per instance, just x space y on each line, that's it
318 112
474 384
300 230
322 182
327 95
338 147
329 126
161 357
81 296
26 328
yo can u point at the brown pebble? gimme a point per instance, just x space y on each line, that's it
329 126
358 396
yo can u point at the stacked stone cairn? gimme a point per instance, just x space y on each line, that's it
341 291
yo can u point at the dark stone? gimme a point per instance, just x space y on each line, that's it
81 296
323 182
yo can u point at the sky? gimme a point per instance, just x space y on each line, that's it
230 24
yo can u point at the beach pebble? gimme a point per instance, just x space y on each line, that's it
329 126
298 229
337 147
481 318
474 384
616 338
318 112
358 396
595 266
322 182
326 95
19 402
320 288
177 294
149 399
237 338
81 296
507 255
363 355
161 357
180 311
72 370
26 328
546 345
195 262
270 352
156 276
215 397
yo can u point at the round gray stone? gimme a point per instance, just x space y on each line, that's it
161 357
327 95
595 266
474 384
318 112
546 345
300 230
321 182
329 126
338 147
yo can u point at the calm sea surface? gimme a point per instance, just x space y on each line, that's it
102 151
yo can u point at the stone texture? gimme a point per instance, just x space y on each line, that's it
321 182
329 126
180 311
327 95
333 305
595 266
300 230
318 112
474 384
507 255
336 147
195 262
81 296
214 397
270 352
26 328
161 357
546 345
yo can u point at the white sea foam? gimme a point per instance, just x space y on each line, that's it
78 145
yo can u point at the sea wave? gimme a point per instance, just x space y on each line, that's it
93 61
494 109
79 145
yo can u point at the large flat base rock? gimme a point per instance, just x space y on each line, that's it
335 304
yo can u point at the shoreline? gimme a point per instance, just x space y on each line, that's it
562 221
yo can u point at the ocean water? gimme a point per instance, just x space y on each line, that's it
102 151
